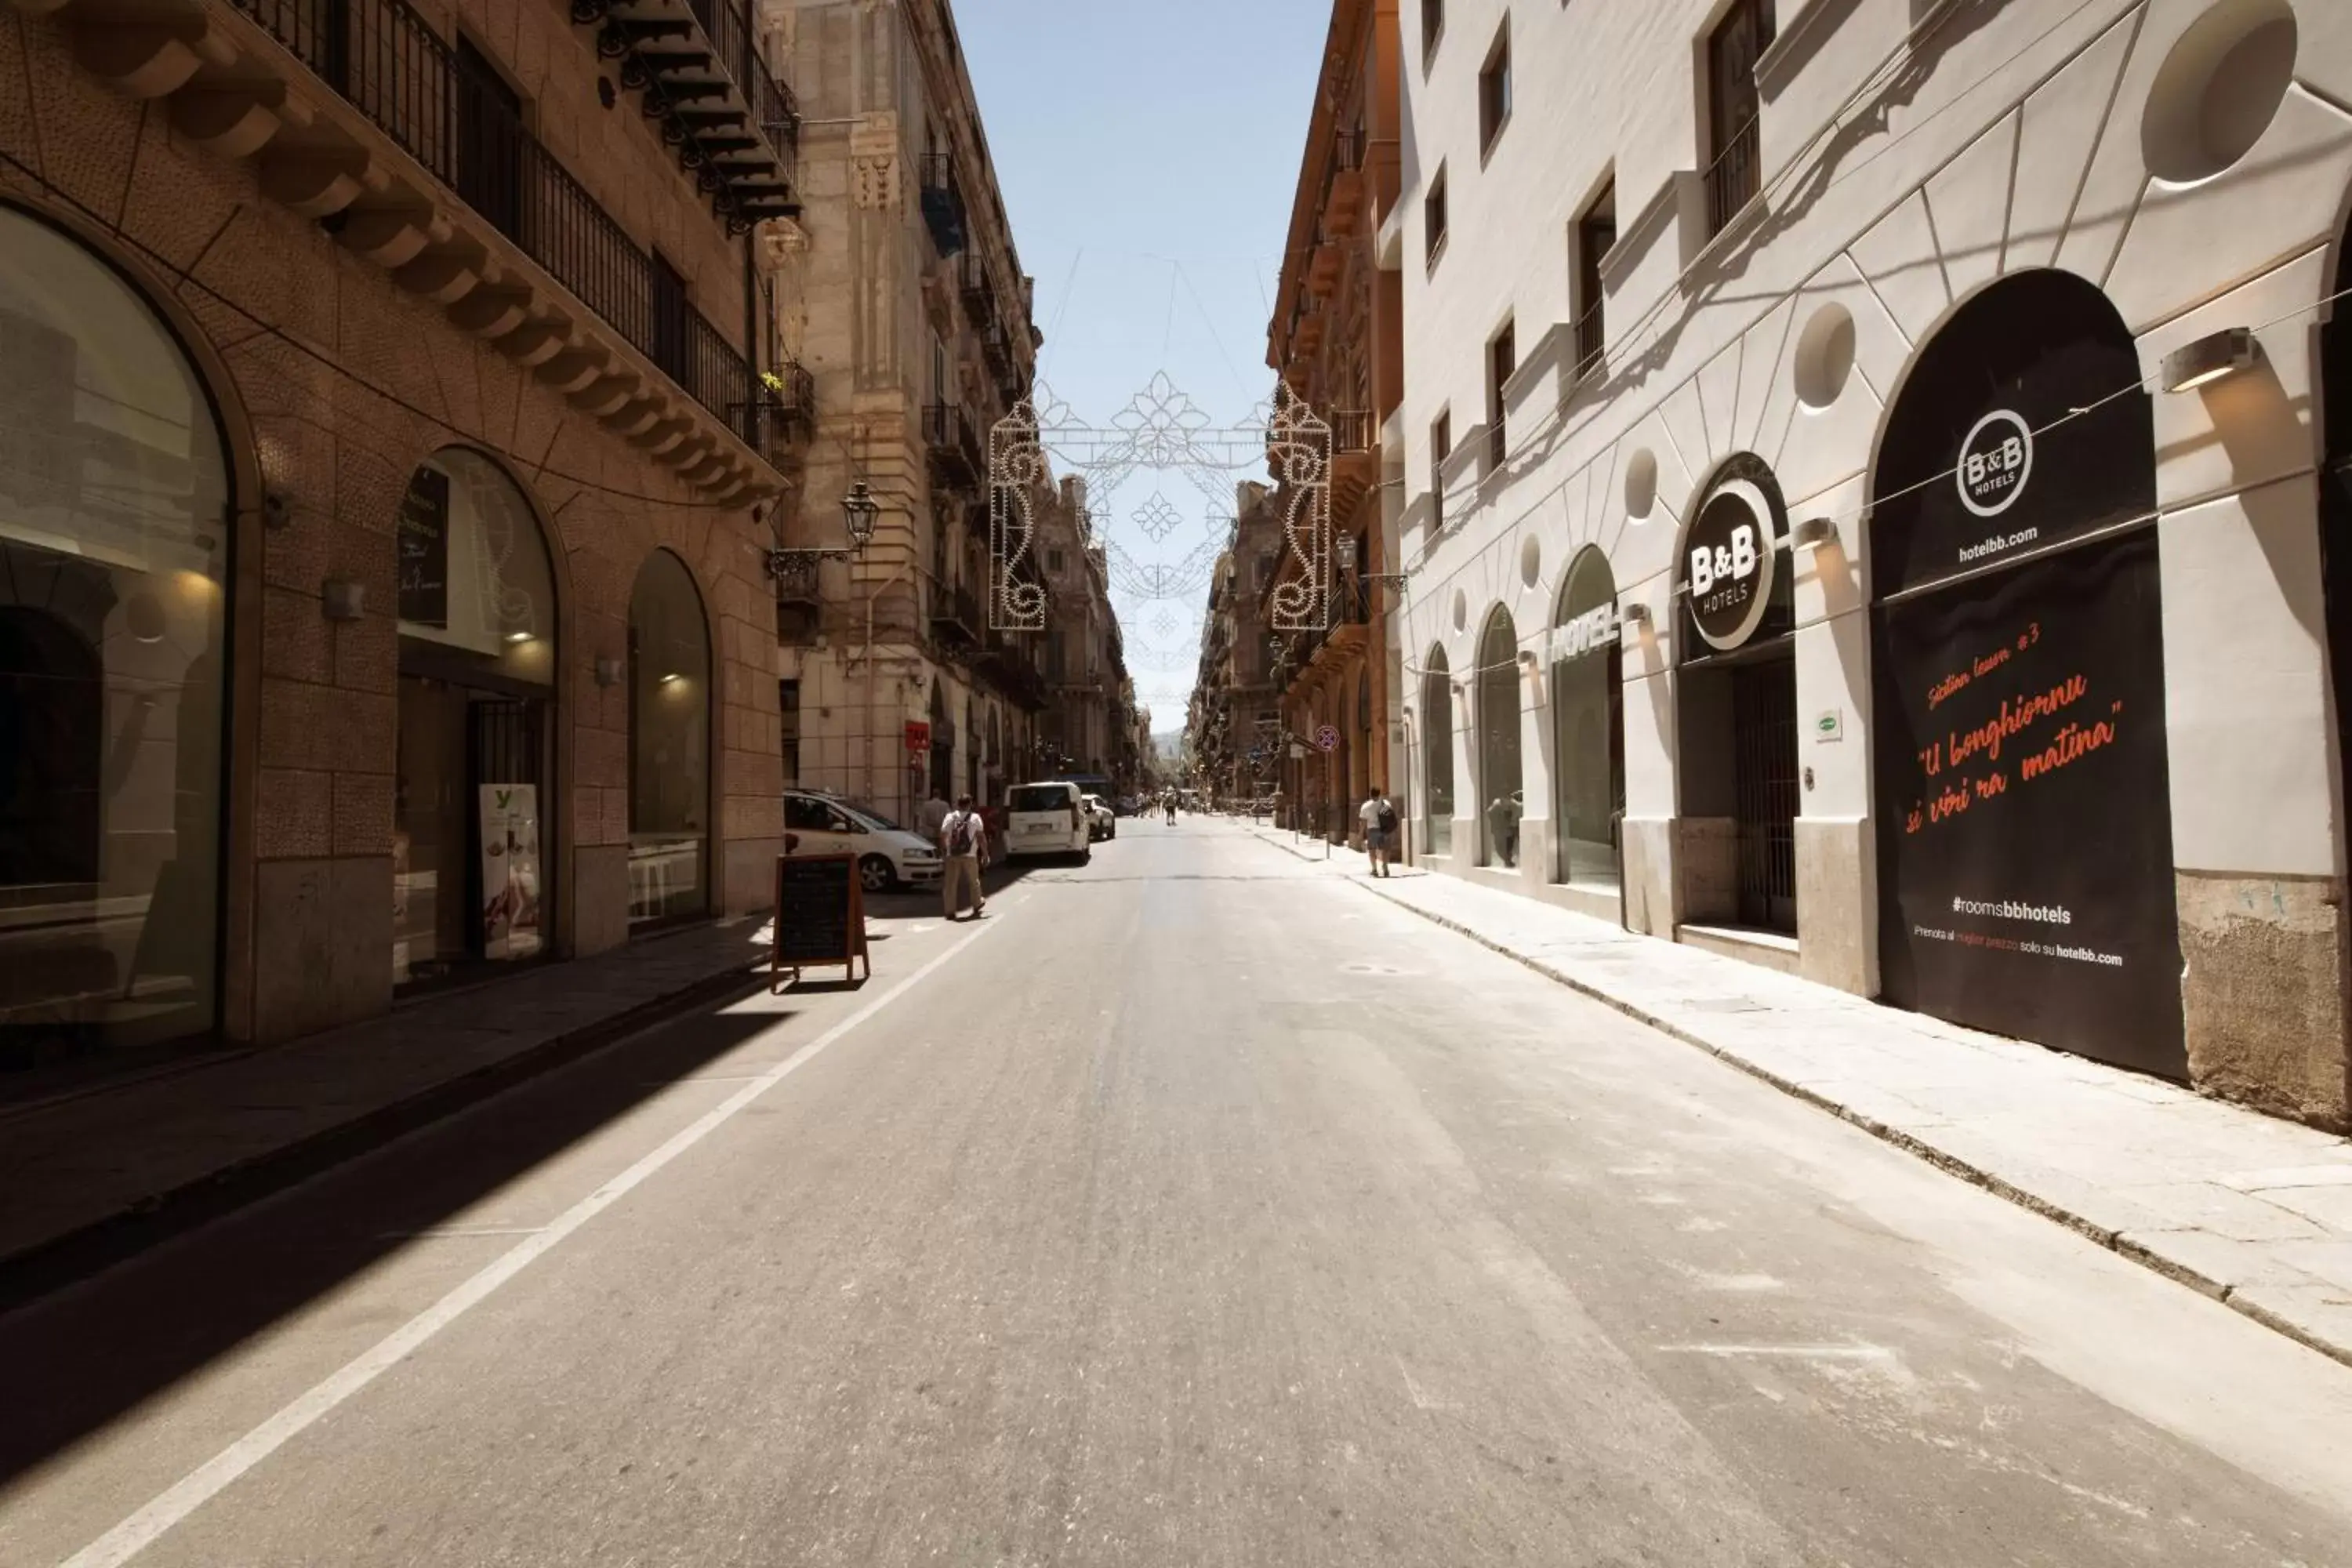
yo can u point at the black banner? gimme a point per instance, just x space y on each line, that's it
2025 828
2021 427
424 549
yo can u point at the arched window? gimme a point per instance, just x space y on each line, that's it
477 608
669 744
1500 801
114 585
1587 723
1437 752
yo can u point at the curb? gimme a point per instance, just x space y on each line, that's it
2115 1241
71 1255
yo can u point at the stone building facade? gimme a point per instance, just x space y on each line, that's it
1234 726
383 598
1876 501
900 294
1336 341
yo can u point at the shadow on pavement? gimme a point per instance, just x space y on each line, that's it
74 1360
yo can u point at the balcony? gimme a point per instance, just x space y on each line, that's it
956 618
782 419
943 210
979 289
996 348
957 457
1343 195
798 605
696 69
1323 269
418 161
1732 179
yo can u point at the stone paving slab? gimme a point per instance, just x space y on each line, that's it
76 1163
2252 1211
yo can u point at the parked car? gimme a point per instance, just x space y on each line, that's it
1102 822
888 856
1042 819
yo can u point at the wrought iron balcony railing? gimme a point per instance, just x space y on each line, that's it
384 58
954 444
1591 341
697 70
979 288
1353 430
1731 181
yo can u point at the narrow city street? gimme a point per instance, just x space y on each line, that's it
1190 1208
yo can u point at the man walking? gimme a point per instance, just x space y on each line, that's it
1379 820
1503 825
963 835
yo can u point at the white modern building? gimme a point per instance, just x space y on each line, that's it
1871 505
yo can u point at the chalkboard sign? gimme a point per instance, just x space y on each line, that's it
424 549
819 915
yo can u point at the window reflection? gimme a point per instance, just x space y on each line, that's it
669 744
113 613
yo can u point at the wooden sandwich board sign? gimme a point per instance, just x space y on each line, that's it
819 916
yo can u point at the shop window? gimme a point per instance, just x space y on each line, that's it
1501 801
1588 724
670 745
1437 752
114 576
476 599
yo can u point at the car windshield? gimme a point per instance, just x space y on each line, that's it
1041 797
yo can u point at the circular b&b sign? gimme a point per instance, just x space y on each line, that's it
1327 739
1996 459
1728 563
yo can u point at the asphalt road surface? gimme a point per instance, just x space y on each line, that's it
1189 1209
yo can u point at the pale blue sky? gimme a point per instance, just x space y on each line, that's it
1148 152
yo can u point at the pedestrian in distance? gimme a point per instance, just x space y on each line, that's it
934 815
963 839
1379 819
1503 823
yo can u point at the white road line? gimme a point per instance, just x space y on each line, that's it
143 1529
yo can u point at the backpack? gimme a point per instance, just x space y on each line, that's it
1388 819
959 833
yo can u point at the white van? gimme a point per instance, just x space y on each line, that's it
1047 819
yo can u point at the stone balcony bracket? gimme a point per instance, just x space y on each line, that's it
230 88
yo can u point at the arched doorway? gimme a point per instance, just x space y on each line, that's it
478 666
1587 706
1501 797
114 615
670 745
1736 702
1437 753
2024 822
943 736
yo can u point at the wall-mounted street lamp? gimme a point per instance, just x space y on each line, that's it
2209 358
859 513
1344 550
1810 534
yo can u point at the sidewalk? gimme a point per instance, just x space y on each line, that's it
75 1169
2254 1212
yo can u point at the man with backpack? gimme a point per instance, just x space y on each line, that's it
963 835
1379 820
